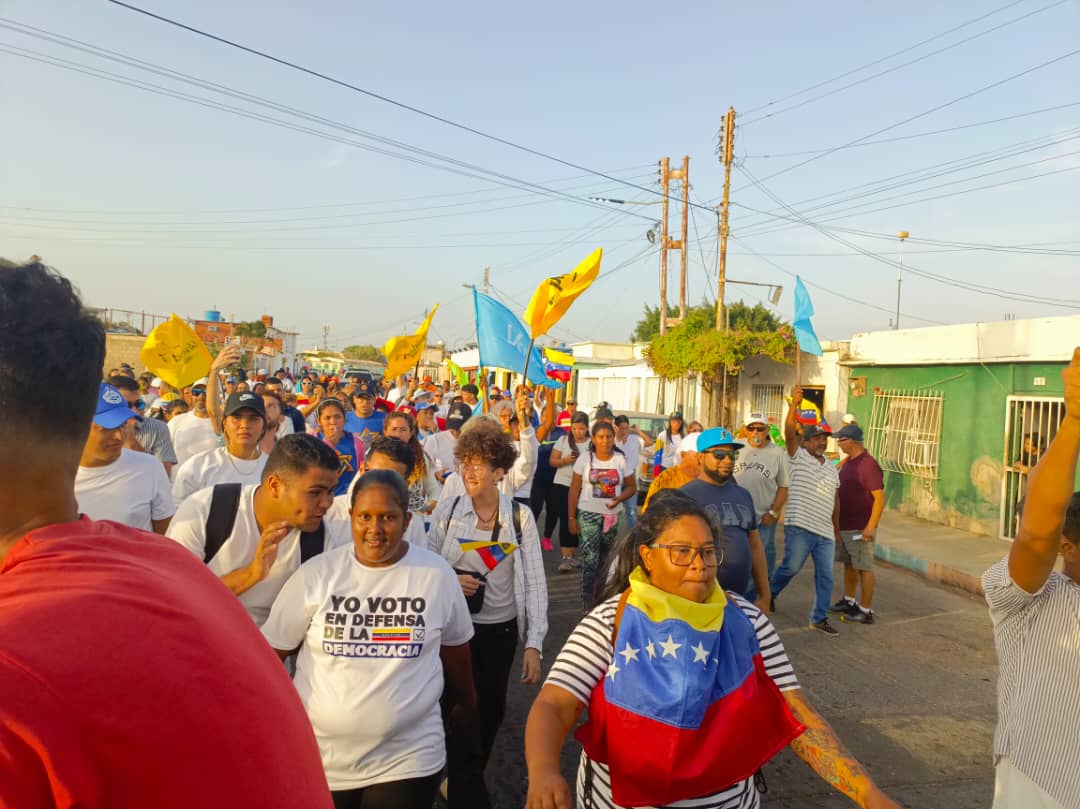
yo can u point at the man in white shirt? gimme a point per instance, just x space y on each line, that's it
440 446
114 483
630 443
1035 611
263 545
239 461
150 435
192 432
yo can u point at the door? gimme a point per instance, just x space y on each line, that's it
1030 425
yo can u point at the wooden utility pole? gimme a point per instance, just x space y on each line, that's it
727 155
667 175
665 178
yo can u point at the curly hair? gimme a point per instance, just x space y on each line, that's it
487 441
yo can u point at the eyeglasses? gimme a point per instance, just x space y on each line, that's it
721 454
683 555
757 428
475 468
198 391
138 405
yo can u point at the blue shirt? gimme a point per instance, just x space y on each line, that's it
373 423
346 450
733 506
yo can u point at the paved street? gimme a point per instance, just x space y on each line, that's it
912 697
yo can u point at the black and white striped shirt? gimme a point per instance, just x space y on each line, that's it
584 661
1037 636
812 494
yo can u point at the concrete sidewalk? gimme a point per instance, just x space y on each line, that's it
941 554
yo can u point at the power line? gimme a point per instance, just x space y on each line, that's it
915 135
378 96
885 58
917 116
902 65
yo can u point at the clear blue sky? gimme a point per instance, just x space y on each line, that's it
157 204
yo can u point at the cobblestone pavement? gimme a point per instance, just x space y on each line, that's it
912 696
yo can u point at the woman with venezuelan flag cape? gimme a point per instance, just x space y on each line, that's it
688 688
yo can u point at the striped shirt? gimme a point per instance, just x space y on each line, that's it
1037 636
584 660
812 494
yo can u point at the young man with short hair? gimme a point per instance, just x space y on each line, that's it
117 483
109 633
150 435
193 432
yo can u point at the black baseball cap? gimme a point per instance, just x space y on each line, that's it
248 400
457 415
813 431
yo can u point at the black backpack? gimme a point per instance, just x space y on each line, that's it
225 502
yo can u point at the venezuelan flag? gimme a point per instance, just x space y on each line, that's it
558 364
491 553
686 708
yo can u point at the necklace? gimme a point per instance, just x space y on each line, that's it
486 522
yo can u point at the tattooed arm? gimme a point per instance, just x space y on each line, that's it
820 748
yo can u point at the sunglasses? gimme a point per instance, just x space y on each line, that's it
198 391
721 454
757 428
137 405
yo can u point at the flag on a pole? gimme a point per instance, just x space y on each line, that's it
174 352
403 352
558 364
554 295
804 329
457 372
503 341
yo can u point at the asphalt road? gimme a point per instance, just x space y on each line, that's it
912 697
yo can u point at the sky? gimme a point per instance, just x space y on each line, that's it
321 205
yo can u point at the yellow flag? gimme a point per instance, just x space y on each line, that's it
174 352
554 295
402 353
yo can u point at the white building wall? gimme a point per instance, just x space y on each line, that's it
824 371
633 387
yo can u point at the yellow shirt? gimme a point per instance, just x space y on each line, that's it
671 478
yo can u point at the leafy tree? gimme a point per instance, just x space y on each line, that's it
702 318
249 328
366 353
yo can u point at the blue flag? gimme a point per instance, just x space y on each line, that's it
503 341
804 329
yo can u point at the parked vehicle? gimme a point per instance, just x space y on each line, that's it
649 426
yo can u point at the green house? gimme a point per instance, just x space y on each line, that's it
957 415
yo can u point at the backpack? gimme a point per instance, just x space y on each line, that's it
225 502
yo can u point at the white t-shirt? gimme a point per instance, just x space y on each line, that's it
670 443
339 513
440 447
212 467
369 672
564 475
601 482
188 527
191 435
632 450
132 490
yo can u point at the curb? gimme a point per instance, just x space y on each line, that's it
934 571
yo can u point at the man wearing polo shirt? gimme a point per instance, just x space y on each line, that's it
116 483
812 522
1036 615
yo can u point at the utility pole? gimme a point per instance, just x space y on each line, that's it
903 234
326 336
667 175
727 155
487 281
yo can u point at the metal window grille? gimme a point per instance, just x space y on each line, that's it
1031 422
905 431
769 401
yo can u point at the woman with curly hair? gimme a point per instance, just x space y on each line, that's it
492 543
423 489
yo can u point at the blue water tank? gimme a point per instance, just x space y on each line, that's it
213 315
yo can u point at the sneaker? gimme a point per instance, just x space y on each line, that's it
844 607
567 565
825 627
546 544
858 617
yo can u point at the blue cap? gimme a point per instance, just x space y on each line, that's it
717 437
112 408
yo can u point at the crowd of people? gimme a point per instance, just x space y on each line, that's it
346 570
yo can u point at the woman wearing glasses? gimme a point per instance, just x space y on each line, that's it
689 688
492 543
600 486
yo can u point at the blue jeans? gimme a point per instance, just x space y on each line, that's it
799 544
768 539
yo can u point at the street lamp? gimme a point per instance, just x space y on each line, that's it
903 234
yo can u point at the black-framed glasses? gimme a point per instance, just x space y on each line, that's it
721 454
757 428
683 555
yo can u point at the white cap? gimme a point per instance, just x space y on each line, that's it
847 419
155 382
203 381
755 418
689 443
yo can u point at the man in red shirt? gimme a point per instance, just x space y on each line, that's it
130 677
862 499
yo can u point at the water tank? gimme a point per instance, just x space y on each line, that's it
212 315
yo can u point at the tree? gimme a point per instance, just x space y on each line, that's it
702 318
366 353
250 328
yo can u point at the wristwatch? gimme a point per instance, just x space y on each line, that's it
775 516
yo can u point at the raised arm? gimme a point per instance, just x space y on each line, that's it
1050 487
214 405
791 435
